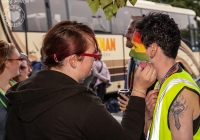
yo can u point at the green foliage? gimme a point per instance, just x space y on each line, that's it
133 2
121 3
94 5
180 4
105 3
110 7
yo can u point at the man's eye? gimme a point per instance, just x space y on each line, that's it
22 67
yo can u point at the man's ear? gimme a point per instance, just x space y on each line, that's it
153 49
73 61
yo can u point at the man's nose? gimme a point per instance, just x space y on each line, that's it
126 35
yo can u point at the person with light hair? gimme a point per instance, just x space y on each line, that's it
10 61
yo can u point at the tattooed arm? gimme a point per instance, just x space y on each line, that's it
183 110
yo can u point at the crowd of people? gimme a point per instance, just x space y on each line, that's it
15 67
53 104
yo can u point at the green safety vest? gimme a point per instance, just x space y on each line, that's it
12 82
159 128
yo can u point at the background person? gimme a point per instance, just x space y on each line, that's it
61 108
132 65
10 61
100 70
25 69
37 65
134 60
177 110
123 100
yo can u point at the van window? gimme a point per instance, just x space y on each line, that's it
181 19
36 15
80 11
183 24
193 22
122 19
58 11
147 11
194 33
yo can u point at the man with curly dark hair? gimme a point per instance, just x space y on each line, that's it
177 110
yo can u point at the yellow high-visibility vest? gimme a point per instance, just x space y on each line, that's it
159 129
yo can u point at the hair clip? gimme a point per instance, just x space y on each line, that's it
55 58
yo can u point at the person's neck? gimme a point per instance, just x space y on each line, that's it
163 67
67 71
4 82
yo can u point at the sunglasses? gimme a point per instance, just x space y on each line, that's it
96 56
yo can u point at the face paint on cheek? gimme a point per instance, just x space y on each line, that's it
142 64
138 50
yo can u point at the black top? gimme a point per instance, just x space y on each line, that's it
51 105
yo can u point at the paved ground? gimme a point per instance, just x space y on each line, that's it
117 116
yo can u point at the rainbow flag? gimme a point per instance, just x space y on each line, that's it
138 50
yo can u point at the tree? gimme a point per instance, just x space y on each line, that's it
110 7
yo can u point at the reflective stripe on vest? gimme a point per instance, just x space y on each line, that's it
156 127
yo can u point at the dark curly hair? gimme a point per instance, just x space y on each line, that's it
159 28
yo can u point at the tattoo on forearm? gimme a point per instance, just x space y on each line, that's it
177 108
